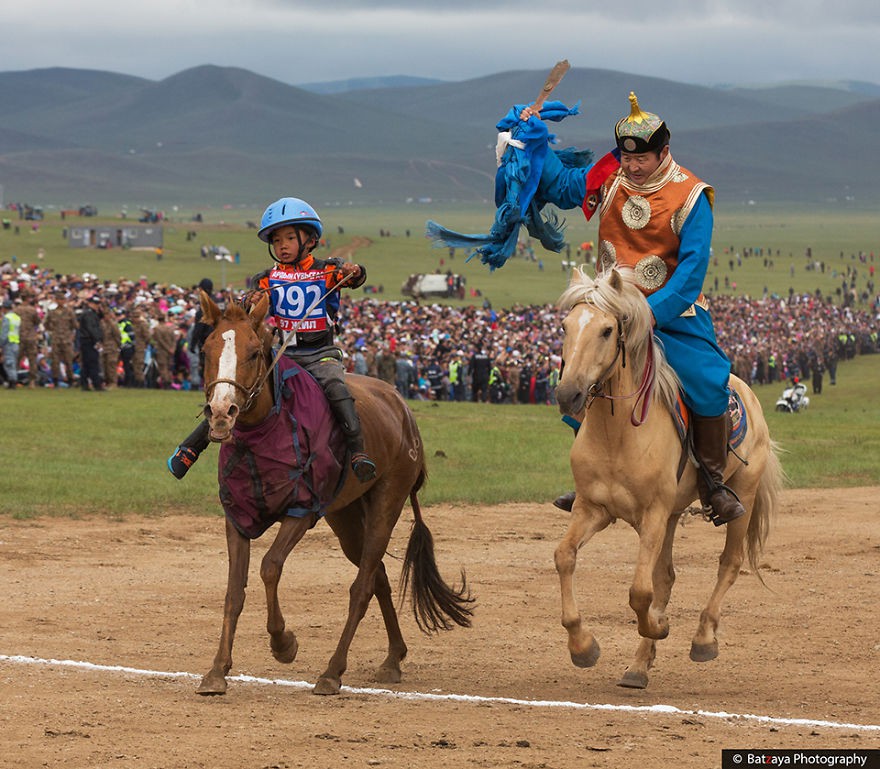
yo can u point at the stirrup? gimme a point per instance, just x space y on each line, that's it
713 515
364 468
182 460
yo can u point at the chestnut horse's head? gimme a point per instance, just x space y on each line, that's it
236 365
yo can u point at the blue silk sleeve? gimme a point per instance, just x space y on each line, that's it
563 187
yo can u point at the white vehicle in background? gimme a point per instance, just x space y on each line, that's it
434 284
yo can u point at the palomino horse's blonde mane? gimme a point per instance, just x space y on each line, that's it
628 304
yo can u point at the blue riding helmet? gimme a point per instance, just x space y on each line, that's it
288 211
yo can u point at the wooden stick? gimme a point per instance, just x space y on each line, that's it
553 80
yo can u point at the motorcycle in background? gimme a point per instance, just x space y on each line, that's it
793 398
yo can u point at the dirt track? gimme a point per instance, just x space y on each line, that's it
147 594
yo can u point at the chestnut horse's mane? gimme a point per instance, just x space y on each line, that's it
234 312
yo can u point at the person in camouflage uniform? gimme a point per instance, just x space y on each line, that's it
165 344
61 327
30 335
141 329
386 366
111 346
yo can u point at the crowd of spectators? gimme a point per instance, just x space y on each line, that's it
428 351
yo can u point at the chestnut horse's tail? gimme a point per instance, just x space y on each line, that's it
436 605
766 502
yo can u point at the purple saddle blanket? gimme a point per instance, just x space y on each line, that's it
287 465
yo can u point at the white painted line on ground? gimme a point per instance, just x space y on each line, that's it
433 697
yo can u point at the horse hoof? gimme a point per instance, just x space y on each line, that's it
704 652
634 680
588 658
286 652
211 685
388 675
327 686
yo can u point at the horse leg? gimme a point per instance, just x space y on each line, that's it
389 671
351 540
239 550
650 611
585 522
376 536
636 675
282 642
704 646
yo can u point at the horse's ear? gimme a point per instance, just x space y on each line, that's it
578 275
257 313
615 281
210 311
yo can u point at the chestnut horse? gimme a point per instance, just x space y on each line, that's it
628 464
237 363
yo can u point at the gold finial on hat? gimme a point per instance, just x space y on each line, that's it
635 112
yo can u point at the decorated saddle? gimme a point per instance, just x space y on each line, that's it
736 412
290 464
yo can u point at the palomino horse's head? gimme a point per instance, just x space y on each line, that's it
607 328
236 361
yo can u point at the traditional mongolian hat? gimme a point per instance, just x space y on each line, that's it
640 131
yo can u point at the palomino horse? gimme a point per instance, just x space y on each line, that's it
237 357
627 458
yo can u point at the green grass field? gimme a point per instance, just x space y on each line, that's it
72 453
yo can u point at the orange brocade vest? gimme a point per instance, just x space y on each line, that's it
639 226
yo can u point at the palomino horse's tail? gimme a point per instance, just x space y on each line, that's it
436 605
766 502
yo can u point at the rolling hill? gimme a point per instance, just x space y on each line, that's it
216 135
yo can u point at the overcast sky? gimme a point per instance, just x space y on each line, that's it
694 41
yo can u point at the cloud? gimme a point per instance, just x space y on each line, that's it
295 41
790 12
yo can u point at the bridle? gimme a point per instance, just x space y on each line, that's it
643 394
250 393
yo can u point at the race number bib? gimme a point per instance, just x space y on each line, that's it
298 301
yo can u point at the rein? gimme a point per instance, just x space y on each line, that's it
251 393
642 394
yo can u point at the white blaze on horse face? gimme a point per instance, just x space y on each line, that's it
227 367
586 317
583 320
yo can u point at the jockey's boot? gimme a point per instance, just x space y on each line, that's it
363 467
711 436
188 451
565 501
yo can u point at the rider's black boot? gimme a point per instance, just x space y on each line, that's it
565 501
188 451
363 467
